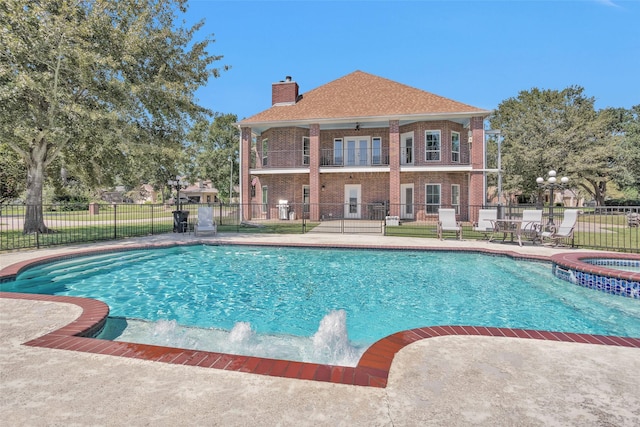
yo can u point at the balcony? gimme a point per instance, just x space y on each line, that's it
297 159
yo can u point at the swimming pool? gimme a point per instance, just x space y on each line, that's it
343 297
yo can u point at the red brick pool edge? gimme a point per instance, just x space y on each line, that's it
372 369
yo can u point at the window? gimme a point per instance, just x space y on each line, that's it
406 149
265 146
376 151
455 197
337 152
306 150
455 146
432 198
265 199
432 145
306 198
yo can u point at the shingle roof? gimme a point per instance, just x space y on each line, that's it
362 95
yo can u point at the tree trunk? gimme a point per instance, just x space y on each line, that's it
34 219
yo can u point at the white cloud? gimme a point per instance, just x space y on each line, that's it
610 3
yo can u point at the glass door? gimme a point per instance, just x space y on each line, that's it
406 149
357 151
406 200
352 201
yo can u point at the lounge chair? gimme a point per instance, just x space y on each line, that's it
531 224
565 231
447 222
205 223
485 224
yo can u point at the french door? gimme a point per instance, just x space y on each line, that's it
357 151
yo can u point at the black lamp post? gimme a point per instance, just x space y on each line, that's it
551 184
178 183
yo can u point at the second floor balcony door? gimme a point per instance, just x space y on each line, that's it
357 151
406 149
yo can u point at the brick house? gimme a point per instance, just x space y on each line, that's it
357 143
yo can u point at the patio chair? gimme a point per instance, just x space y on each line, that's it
565 231
447 222
531 224
205 223
485 224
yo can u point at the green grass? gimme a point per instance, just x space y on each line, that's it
16 239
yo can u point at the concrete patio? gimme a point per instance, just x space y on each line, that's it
452 381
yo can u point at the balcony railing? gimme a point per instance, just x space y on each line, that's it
353 157
283 159
348 157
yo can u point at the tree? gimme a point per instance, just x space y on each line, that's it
629 154
558 130
214 150
12 173
95 85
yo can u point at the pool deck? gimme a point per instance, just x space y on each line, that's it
451 380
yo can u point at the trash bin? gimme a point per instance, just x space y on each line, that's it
292 215
283 209
94 209
180 221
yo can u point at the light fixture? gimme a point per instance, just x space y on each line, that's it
357 127
551 184
322 188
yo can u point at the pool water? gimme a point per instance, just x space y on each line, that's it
328 305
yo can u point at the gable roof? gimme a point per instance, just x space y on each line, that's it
360 95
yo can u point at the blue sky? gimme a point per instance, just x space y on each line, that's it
476 52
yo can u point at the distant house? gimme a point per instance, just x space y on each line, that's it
361 141
200 192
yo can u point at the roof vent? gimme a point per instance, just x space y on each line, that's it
287 79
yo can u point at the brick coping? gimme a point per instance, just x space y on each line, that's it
372 369
575 261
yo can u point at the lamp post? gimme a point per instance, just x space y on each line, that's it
551 183
178 183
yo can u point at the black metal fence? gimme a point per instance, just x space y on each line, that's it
607 228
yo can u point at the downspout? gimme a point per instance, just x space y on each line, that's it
240 174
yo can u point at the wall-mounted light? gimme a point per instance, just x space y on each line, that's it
322 188
357 127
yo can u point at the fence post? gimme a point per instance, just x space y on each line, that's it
152 219
115 222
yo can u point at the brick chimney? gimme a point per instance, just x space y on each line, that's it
284 92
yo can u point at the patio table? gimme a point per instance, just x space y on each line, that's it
511 226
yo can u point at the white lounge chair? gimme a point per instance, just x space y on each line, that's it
531 224
447 222
565 230
485 218
205 223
